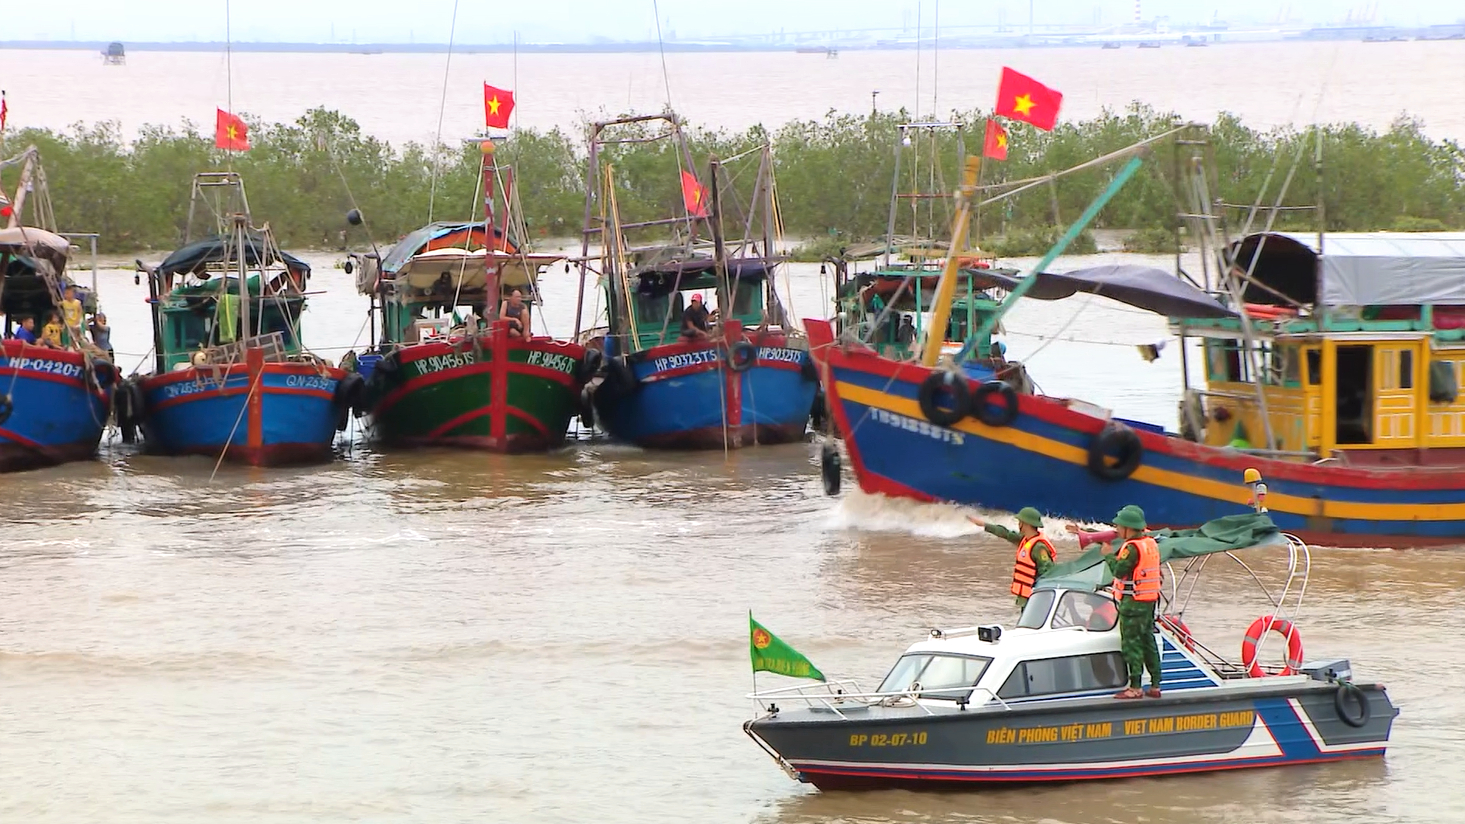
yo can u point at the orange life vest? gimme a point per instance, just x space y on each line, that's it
1025 569
1143 584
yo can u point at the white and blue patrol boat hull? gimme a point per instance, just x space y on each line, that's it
1263 723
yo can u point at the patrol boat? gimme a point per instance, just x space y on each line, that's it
989 705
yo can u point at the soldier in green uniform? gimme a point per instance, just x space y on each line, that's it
1135 566
1035 553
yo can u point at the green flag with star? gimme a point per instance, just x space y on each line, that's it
772 655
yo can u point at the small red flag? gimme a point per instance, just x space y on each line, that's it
4 112
497 104
694 197
995 146
1020 97
230 133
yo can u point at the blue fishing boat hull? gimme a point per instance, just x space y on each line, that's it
686 396
49 412
1042 459
290 418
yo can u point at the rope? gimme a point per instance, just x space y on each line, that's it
242 409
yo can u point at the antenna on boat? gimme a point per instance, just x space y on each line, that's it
442 107
228 75
661 46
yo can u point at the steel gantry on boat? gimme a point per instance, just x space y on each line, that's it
1033 703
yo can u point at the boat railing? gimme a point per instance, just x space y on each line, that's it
1286 604
273 345
831 695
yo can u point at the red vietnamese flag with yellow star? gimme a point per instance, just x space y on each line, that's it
1020 97
694 195
497 104
230 133
995 145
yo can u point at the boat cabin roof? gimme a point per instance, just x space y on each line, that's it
1355 268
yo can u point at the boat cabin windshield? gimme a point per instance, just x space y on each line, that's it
1035 614
1094 611
944 677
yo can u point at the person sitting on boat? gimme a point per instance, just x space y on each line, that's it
1135 566
695 319
906 334
1035 553
71 314
1258 501
101 334
51 332
517 314
25 330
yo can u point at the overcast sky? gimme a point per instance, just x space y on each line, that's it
428 21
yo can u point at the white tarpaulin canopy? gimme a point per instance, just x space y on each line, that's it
1384 268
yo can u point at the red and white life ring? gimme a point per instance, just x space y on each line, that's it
1254 635
1178 628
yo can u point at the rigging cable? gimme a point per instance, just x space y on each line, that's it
437 143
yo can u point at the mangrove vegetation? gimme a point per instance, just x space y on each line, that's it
833 177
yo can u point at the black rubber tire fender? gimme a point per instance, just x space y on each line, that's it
930 392
347 398
587 408
989 414
620 375
589 366
741 356
1341 700
1116 440
7 408
830 467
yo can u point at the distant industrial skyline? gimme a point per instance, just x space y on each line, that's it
586 21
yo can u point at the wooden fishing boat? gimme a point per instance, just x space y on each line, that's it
750 379
435 378
54 402
1332 370
231 377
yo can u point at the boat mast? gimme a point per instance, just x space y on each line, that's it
946 287
719 252
490 264
241 237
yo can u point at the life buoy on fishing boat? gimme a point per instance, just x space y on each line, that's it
829 467
104 370
1254 635
942 382
1002 413
7 406
741 356
1178 628
347 398
1350 694
1119 443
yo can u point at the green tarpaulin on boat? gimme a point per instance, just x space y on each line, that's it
1232 532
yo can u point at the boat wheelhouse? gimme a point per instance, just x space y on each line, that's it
1034 703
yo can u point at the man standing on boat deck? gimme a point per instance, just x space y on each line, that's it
1136 570
1035 553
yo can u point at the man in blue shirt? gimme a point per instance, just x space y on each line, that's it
26 331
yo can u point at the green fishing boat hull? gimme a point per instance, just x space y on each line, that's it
487 392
